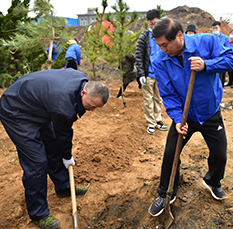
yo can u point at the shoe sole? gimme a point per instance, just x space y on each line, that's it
160 128
54 226
161 211
212 193
150 132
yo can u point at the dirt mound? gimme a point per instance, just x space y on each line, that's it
184 14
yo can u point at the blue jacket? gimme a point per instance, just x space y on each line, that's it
173 79
224 40
47 96
55 51
74 52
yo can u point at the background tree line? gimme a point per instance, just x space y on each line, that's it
23 41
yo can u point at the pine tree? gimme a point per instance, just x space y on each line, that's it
123 42
32 38
93 44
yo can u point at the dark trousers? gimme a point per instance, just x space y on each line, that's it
213 131
230 78
222 78
72 64
125 86
38 155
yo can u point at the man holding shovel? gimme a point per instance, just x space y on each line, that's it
38 112
179 55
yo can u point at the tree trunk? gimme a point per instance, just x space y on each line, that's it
49 61
93 69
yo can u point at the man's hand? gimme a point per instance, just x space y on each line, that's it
197 64
68 162
142 80
183 130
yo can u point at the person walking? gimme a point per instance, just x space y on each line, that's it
37 112
179 55
147 49
73 55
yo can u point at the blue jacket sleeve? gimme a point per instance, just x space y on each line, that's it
221 59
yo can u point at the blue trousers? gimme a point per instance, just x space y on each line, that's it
213 132
38 155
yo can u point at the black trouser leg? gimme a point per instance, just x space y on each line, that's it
214 134
120 90
72 64
168 158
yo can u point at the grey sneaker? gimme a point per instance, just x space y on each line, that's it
160 126
157 207
216 192
151 130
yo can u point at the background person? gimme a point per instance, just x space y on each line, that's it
146 49
73 55
37 112
179 55
224 40
191 29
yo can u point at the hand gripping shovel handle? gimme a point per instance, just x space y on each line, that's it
73 197
168 216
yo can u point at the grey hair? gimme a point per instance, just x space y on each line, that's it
98 89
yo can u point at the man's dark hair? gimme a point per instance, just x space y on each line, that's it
151 14
98 89
216 23
168 27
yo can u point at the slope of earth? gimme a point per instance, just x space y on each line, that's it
120 163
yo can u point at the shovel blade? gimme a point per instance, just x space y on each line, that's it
168 220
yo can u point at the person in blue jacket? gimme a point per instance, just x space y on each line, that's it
224 40
73 55
37 112
55 51
179 55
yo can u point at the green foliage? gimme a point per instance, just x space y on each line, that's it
6 79
93 45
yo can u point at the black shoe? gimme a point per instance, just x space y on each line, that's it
79 190
157 207
160 126
216 192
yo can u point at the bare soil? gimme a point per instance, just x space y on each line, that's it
120 163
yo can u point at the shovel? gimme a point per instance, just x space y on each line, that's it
168 218
73 198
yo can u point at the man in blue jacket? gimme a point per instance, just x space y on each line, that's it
38 111
179 55
224 40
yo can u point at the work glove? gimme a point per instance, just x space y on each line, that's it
142 80
68 162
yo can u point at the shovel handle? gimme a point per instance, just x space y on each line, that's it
73 197
179 142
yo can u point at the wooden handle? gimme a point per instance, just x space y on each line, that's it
73 197
179 142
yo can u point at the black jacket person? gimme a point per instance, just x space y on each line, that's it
38 111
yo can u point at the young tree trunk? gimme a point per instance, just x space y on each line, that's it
93 69
49 61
